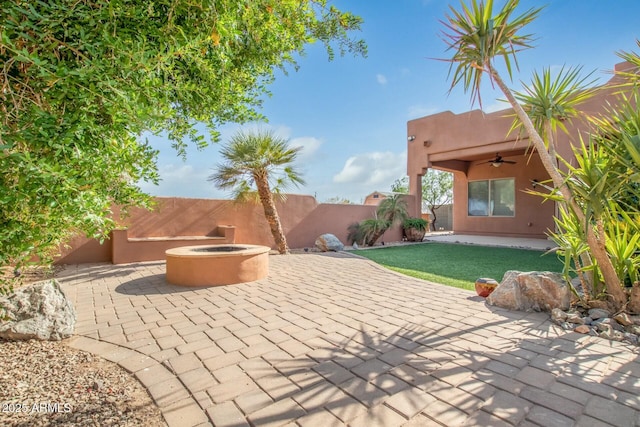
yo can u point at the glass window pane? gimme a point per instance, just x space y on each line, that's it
478 198
503 197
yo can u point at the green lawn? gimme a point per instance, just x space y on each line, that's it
459 265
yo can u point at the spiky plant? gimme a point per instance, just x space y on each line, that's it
259 163
478 37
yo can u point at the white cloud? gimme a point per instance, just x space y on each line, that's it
309 145
381 79
376 169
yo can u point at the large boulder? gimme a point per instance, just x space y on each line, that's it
531 291
39 310
329 242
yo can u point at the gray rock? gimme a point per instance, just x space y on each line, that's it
633 329
603 327
329 242
532 291
558 316
575 318
507 294
39 310
632 338
598 313
609 322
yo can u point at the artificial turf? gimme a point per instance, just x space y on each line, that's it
460 265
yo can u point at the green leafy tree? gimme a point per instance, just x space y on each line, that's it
82 80
437 190
477 37
259 164
401 185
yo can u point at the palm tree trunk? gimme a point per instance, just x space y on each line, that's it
270 212
595 241
371 240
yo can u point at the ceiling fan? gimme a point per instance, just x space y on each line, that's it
498 161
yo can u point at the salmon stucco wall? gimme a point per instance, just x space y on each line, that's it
532 217
303 220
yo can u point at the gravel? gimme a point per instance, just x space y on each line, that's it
47 383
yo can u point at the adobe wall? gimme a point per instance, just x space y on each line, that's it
532 217
464 143
303 220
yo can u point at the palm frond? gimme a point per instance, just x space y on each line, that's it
477 36
553 100
249 156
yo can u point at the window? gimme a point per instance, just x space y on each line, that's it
494 197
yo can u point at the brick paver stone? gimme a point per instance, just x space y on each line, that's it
361 346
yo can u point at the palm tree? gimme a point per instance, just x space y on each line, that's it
477 37
259 164
391 211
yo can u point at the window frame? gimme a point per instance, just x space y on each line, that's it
489 201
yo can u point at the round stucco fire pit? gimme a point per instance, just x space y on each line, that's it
216 265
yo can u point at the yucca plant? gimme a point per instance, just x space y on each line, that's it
623 244
551 101
572 246
478 37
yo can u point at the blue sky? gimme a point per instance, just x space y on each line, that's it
349 115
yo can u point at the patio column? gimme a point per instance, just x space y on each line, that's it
415 189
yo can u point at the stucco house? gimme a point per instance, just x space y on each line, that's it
491 168
376 197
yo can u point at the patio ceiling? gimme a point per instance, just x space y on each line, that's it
461 159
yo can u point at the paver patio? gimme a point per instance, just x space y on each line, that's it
333 339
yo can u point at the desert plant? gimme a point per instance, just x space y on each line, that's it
477 38
373 228
355 234
259 163
417 223
415 228
437 190
391 211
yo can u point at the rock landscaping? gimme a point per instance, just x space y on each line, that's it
599 323
47 383
545 291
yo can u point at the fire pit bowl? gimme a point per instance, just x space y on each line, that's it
216 265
